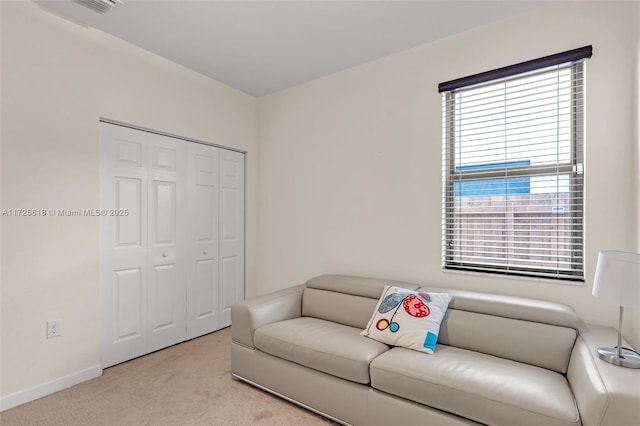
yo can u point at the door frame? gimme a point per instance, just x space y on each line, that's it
172 135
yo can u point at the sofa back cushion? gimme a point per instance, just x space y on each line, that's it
344 299
543 345
532 331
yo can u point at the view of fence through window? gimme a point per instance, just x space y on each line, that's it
514 183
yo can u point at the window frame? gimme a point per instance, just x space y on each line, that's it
574 168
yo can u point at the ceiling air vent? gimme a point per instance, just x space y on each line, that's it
100 6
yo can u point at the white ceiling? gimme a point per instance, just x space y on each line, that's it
260 47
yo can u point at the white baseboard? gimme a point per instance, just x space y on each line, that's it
47 388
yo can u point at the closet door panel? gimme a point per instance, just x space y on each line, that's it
128 292
206 273
128 196
123 244
231 226
202 288
167 240
230 272
162 308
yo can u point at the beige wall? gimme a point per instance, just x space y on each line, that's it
58 78
350 164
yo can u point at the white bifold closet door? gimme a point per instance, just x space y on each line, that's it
203 277
163 276
232 232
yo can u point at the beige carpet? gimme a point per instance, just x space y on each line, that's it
187 384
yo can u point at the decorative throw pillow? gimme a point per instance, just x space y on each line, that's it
408 318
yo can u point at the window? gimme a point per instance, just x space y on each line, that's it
513 169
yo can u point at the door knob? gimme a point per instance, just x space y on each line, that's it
205 252
165 254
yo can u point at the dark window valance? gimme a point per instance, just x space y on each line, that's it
534 64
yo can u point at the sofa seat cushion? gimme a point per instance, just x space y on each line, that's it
325 346
477 386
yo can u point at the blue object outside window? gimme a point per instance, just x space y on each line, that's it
487 187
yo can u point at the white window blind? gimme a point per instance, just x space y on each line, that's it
513 174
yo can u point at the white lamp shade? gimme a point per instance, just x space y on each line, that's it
617 279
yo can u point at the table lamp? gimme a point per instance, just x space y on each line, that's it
617 281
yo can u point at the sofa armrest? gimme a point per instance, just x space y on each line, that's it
250 314
605 393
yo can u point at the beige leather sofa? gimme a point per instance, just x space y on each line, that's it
499 360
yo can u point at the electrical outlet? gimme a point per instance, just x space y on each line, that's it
53 329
